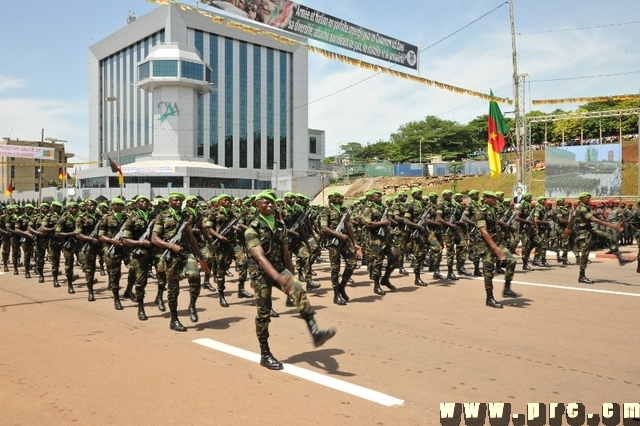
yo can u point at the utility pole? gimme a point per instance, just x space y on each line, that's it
516 92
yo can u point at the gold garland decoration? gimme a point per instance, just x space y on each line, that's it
584 100
339 57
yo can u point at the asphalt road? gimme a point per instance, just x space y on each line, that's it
64 360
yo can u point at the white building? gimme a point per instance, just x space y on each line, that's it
188 103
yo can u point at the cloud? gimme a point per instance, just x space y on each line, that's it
8 83
24 118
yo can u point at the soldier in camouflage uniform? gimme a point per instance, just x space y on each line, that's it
524 216
22 229
87 227
270 266
434 237
342 244
47 230
583 219
460 235
166 226
41 241
491 249
562 241
415 218
113 250
380 243
446 216
5 238
541 219
137 236
400 234
474 243
12 222
65 230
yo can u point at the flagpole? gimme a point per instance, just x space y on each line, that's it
516 92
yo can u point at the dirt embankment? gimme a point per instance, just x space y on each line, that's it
389 185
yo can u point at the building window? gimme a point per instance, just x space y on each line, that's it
270 109
165 68
213 99
283 110
313 145
143 71
257 107
192 70
228 102
243 106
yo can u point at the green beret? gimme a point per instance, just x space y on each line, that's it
399 193
458 194
105 204
279 200
191 198
334 194
414 190
179 195
72 204
489 194
370 192
499 193
90 200
584 194
433 194
44 204
221 196
473 192
116 200
130 203
143 197
526 194
265 196
290 194
56 203
271 192
447 191
559 200
542 198
26 206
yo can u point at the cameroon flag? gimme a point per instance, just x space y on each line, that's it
116 169
497 129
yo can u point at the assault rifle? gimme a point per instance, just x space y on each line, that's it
385 214
452 219
118 237
528 219
421 222
299 222
93 234
226 230
340 228
176 238
144 237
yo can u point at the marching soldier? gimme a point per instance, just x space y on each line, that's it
47 231
524 216
446 215
87 227
65 229
111 233
415 218
271 266
468 217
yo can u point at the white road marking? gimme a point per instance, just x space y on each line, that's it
312 376
588 290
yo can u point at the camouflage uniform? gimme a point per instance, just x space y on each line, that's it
26 242
110 226
541 241
87 224
401 233
473 237
42 242
12 221
380 246
446 210
136 226
55 244
527 233
331 217
5 239
66 224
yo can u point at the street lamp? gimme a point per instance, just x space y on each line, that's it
114 99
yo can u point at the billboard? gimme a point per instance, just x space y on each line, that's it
298 19
20 151
596 169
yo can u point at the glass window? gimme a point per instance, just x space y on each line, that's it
257 107
270 109
208 182
243 105
312 145
228 102
213 99
165 68
192 70
283 110
143 71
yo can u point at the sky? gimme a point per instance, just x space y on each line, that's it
568 49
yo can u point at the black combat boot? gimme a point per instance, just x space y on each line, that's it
401 269
301 275
27 274
623 260
56 283
342 290
376 287
544 263
90 296
462 270
525 264
507 292
221 299
159 301
583 278
40 276
536 260
499 269
242 293
5 267
228 273
70 289
289 303
207 282
193 313
267 359
102 271
142 315
385 282
116 300
491 302
274 314
15 269
476 269
417 280
451 275
319 336
436 273
311 285
175 323
337 297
